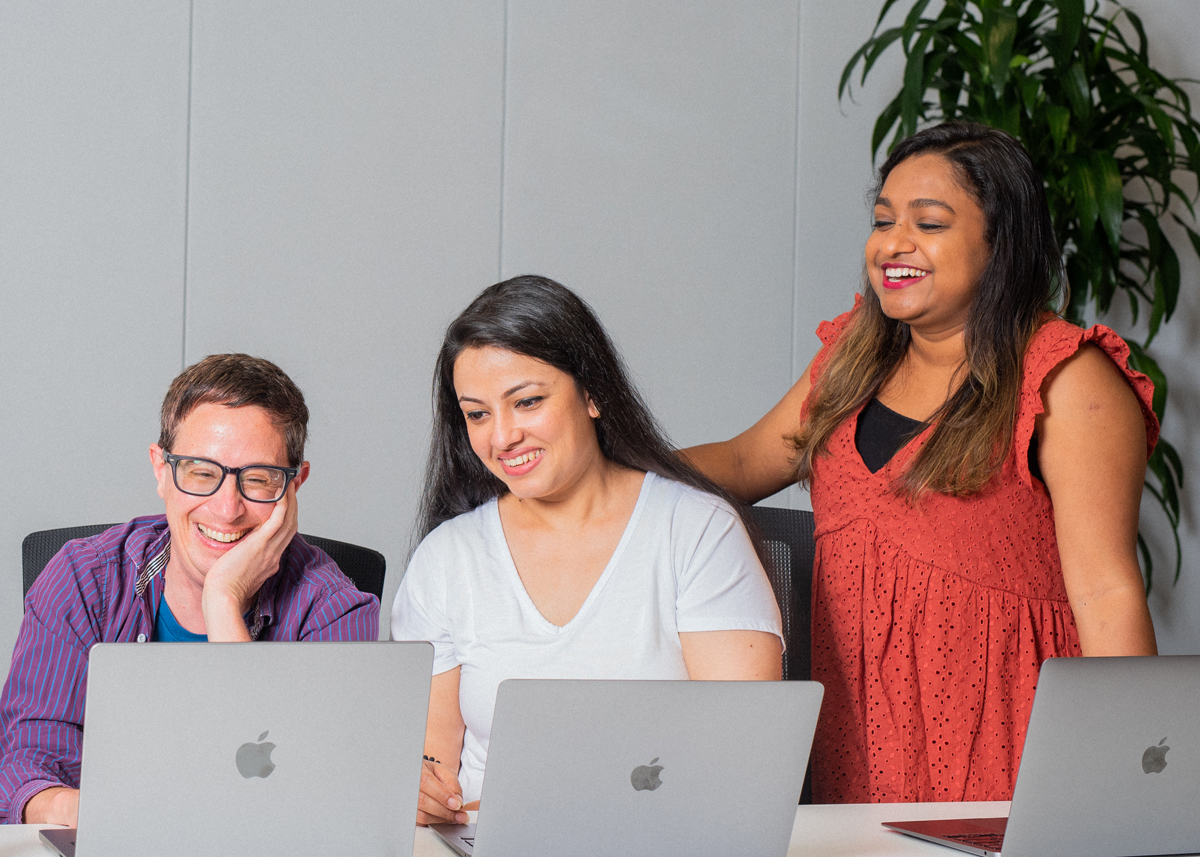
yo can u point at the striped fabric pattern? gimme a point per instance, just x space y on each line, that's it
106 589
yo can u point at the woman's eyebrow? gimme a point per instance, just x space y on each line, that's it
510 391
930 203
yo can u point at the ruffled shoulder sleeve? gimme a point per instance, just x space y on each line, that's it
829 332
1054 342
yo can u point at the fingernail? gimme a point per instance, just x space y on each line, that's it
454 803
462 818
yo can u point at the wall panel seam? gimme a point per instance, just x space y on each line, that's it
187 187
503 140
794 368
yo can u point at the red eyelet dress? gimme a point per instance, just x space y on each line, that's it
930 622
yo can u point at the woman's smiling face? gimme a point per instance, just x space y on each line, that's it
928 247
528 422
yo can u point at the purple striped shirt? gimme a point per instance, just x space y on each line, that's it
106 589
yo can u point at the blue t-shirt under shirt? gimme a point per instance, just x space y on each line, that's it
168 630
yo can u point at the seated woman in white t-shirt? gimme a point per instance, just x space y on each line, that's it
563 536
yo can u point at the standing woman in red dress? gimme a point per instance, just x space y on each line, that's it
975 465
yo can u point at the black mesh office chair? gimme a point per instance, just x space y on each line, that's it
787 536
365 567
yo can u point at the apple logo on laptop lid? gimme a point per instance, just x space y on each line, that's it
645 777
254 760
1155 758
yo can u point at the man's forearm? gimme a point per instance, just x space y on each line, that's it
55 805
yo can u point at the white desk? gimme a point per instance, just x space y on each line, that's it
829 831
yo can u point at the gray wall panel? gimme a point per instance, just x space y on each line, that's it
344 203
650 153
93 134
835 172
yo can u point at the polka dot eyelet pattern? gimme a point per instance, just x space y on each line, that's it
930 622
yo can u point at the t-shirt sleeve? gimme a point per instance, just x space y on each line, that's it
419 611
720 582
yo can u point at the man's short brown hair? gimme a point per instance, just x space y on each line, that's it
237 380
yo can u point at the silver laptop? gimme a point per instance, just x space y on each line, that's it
251 749
1111 766
616 768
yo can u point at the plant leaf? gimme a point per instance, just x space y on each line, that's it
1070 24
1087 204
997 31
1110 195
1171 456
1162 121
1168 498
849 69
1191 234
913 94
884 124
1147 563
1075 87
1058 120
1143 51
913 20
880 44
1148 366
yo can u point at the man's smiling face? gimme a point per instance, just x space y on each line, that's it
203 529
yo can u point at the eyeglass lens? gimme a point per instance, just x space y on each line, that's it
200 477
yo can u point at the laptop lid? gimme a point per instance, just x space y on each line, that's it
627 767
258 749
1111 763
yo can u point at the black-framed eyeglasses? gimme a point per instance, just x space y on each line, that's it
202 477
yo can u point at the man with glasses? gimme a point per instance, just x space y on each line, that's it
224 564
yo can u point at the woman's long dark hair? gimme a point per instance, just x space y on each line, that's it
974 428
542 319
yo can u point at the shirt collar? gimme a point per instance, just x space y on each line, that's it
159 553
257 618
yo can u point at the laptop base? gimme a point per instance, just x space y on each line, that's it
60 840
460 837
980 836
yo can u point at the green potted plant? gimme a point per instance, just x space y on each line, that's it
1111 136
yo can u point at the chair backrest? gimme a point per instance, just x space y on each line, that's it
787 537
365 567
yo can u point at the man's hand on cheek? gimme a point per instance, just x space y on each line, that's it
233 581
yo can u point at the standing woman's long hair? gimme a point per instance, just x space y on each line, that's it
542 319
974 428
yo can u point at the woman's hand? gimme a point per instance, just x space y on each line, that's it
1092 454
440 801
441 798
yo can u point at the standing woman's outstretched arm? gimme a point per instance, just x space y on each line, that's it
758 462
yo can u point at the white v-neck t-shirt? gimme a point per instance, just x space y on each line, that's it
684 563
